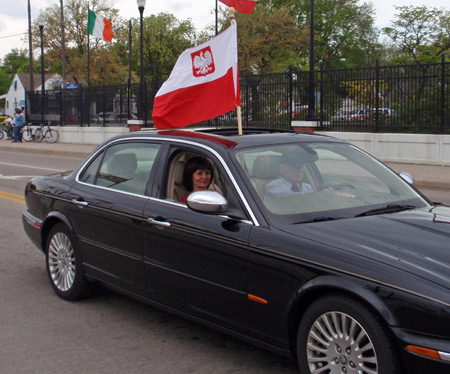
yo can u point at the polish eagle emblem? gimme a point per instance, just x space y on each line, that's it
202 62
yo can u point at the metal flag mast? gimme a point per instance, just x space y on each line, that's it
232 18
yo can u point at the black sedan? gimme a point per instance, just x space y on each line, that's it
302 244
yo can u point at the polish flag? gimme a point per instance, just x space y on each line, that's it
203 84
241 6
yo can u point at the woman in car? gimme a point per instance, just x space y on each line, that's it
197 175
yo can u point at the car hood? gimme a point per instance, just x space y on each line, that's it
415 241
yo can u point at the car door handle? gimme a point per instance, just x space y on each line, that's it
154 221
80 202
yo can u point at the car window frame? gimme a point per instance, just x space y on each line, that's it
207 151
101 152
173 154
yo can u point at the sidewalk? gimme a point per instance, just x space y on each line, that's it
425 176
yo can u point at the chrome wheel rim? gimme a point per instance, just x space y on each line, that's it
61 261
338 344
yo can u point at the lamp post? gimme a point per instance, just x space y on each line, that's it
311 116
141 6
41 22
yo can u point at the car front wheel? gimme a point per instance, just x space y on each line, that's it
339 334
64 265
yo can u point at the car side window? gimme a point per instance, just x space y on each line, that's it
124 167
89 174
176 188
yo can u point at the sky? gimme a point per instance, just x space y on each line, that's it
14 15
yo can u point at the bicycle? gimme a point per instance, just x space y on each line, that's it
28 133
50 135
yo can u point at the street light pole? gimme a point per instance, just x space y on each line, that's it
141 6
41 22
311 116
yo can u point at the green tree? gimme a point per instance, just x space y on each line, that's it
5 81
268 39
16 61
165 38
105 65
344 30
420 34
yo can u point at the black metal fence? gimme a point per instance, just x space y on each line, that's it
405 99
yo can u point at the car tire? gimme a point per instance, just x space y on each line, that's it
339 334
64 264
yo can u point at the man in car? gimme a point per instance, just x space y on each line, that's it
291 180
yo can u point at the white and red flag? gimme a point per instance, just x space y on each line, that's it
203 84
241 6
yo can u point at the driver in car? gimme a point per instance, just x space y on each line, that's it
292 170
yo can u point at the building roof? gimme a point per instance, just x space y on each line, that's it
25 79
37 79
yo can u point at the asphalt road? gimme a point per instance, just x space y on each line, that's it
107 333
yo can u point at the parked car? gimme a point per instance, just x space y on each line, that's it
360 115
121 117
351 276
385 113
341 115
114 117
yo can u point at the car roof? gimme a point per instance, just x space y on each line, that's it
228 138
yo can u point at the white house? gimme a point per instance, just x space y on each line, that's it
15 97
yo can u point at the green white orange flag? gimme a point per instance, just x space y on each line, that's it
99 27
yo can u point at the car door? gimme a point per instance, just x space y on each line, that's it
195 262
107 212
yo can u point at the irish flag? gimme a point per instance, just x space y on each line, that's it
203 84
99 27
241 6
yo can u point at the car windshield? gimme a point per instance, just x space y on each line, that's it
322 181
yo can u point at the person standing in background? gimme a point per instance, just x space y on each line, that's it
9 123
19 119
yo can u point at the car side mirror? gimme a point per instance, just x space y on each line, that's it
407 177
209 202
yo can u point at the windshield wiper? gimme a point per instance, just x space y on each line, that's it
390 208
318 219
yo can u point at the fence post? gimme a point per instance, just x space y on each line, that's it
377 93
145 102
442 91
290 96
81 115
321 95
104 103
61 109
247 108
128 97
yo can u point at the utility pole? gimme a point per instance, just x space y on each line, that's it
63 46
30 48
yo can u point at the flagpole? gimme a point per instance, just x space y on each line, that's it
88 55
232 18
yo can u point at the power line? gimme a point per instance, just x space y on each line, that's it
10 36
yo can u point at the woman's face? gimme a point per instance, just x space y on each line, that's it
201 179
